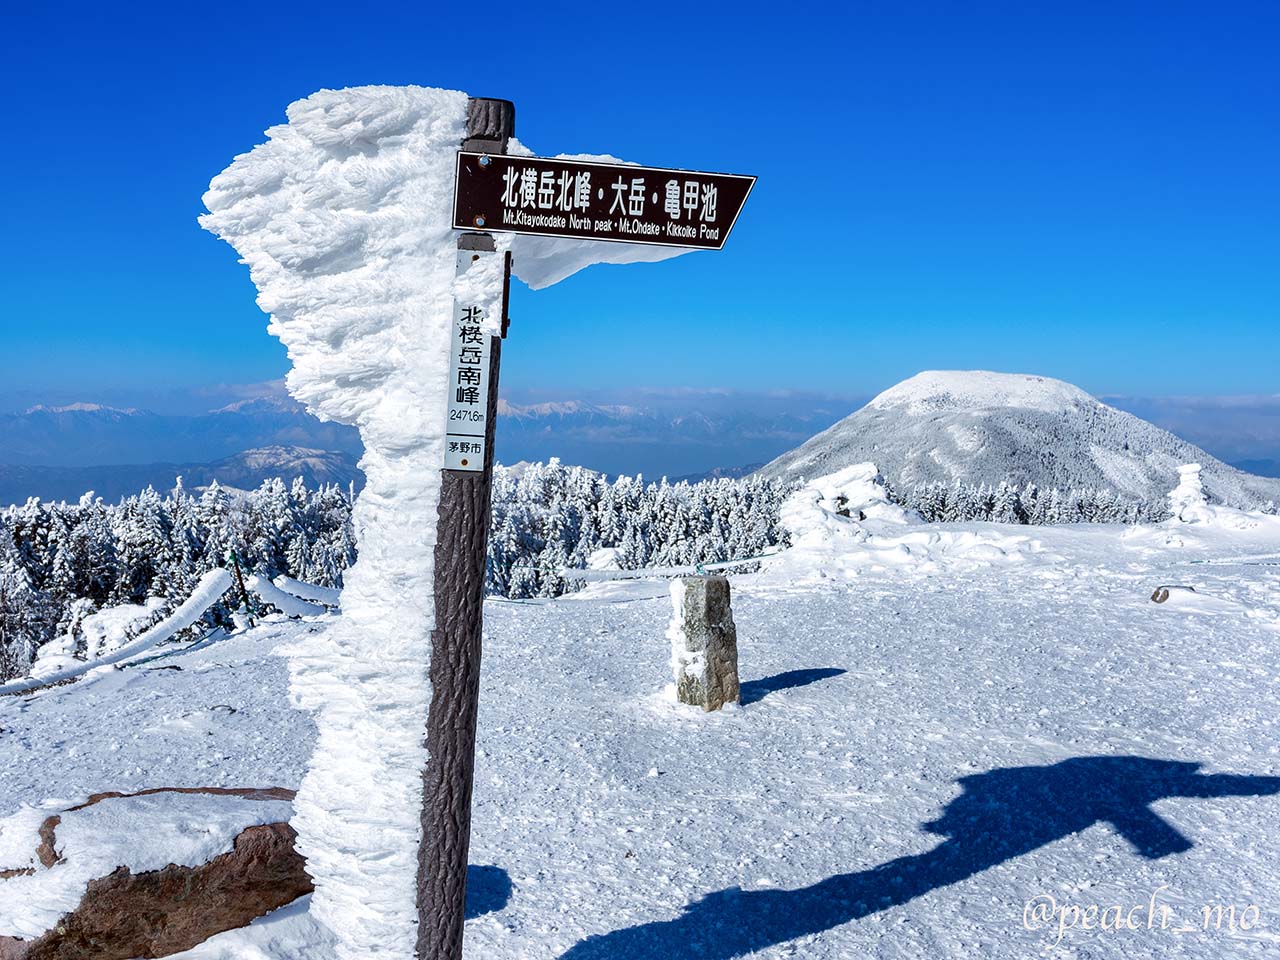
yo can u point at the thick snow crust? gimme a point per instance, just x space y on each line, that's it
344 219
141 833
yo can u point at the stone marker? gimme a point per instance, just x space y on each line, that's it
704 642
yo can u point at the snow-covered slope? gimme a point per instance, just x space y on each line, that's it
983 427
923 746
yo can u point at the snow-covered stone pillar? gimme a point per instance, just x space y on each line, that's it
704 642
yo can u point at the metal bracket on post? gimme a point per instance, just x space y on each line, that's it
461 543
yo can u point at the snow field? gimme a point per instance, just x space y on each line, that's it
864 701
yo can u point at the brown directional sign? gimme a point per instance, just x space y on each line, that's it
597 201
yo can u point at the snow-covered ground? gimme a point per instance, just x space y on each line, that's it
928 741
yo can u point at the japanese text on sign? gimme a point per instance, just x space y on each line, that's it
597 201
468 387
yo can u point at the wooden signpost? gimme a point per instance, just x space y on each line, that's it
547 197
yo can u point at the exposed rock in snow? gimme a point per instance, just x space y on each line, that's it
704 642
146 874
981 427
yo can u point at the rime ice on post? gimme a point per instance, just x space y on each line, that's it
704 642
343 217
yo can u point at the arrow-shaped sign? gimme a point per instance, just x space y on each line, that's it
597 201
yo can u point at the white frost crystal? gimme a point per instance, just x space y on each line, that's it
1187 501
343 217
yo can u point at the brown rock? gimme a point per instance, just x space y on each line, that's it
161 912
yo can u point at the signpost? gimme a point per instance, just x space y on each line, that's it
597 201
546 197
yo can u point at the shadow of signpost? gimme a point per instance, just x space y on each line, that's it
488 890
754 690
1000 815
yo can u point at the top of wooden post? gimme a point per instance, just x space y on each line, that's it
489 123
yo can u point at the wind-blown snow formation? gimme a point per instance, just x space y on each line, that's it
981 427
343 217
1187 501
843 524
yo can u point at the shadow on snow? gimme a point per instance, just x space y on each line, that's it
488 890
754 690
1000 815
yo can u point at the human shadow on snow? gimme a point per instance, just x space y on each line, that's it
754 690
1000 815
488 890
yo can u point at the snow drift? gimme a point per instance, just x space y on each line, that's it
207 592
843 524
980 427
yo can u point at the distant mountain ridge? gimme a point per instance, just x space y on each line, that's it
671 433
982 427
84 434
245 471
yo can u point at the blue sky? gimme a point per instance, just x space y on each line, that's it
1088 192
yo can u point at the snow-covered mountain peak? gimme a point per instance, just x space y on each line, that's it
81 408
975 390
266 404
978 427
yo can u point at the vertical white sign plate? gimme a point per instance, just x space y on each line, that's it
468 423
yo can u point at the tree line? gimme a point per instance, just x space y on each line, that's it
61 562
939 502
